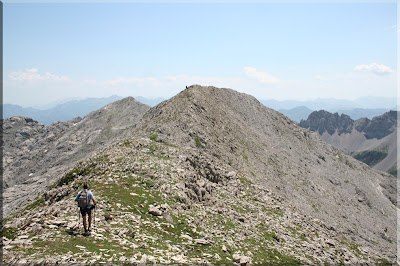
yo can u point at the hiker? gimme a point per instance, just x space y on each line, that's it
84 199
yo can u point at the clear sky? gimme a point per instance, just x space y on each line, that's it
270 50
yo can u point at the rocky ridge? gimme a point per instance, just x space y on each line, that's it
35 155
228 148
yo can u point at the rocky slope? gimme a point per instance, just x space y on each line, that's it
159 203
274 152
212 175
372 141
34 155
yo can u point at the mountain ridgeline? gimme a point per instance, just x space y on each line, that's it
217 175
373 141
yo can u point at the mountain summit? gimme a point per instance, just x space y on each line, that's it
275 153
212 175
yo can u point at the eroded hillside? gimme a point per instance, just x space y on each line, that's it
159 203
35 155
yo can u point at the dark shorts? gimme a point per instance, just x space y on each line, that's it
87 210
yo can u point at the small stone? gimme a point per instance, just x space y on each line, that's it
236 257
179 259
144 246
155 211
167 217
108 217
244 260
202 241
231 174
187 237
165 206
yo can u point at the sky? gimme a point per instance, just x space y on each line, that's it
271 50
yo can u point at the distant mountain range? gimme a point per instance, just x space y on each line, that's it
373 141
68 110
334 104
65 110
301 113
363 107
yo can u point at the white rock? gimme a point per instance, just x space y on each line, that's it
244 259
202 241
143 259
155 211
179 259
236 257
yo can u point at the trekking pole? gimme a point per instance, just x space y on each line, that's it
79 218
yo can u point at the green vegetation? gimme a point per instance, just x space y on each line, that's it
36 203
79 170
383 262
393 170
352 246
197 142
371 158
9 232
153 137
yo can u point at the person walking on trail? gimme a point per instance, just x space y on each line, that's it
84 199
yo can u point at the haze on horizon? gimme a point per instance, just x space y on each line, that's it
282 51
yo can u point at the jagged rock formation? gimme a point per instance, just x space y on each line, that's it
372 141
35 155
240 179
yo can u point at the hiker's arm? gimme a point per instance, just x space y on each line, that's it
77 196
94 201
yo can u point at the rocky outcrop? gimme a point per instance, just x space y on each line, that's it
372 141
378 127
321 121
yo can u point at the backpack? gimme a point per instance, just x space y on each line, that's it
83 200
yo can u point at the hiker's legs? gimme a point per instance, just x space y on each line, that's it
84 222
90 220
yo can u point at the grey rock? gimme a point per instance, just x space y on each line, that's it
155 211
36 156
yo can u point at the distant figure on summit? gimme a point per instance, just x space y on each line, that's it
186 87
84 199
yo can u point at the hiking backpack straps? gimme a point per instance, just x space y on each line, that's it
83 200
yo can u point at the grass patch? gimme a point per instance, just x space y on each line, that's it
197 142
153 137
371 158
393 170
33 205
79 170
9 232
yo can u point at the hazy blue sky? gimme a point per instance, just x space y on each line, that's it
269 50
